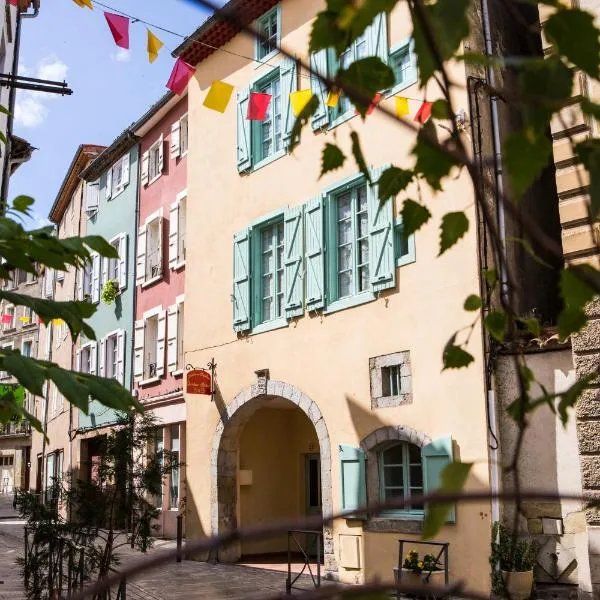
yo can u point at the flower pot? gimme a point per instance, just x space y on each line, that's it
436 578
518 584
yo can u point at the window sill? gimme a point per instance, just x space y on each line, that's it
9 330
259 62
25 325
30 282
177 372
183 154
395 524
349 114
400 87
151 181
265 161
350 302
149 381
270 325
149 282
117 192
407 259
178 265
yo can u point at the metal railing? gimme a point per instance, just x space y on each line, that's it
22 428
298 541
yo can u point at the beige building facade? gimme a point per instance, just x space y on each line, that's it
329 384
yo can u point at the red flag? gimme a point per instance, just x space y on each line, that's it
13 2
6 319
119 27
180 75
423 113
258 106
374 103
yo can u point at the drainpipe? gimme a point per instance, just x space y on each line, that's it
497 145
50 333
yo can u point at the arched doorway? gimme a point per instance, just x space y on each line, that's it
292 432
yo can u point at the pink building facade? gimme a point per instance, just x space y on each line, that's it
158 362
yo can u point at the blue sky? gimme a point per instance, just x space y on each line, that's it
111 87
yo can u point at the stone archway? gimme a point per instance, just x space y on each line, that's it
224 459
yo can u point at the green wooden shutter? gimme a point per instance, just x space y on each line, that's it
354 484
382 264
244 147
293 255
435 457
315 254
377 37
288 84
241 280
318 64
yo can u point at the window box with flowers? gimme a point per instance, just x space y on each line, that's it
418 571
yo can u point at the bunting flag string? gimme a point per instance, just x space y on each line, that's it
153 46
180 75
424 113
119 27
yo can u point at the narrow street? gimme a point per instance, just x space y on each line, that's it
11 546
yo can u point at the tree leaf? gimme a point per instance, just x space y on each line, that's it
27 372
453 478
393 181
4 110
454 226
414 216
589 154
449 24
575 36
333 158
525 155
455 357
495 323
569 397
440 110
491 276
472 303
575 289
533 326
571 320
365 77
69 386
359 157
432 162
310 108
22 203
100 245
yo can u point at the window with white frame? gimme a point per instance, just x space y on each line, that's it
175 472
149 345
183 132
92 197
86 358
20 276
112 353
27 348
49 283
177 227
159 450
86 281
114 269
153 162
149 249
28 316
175 356
5 347
119 176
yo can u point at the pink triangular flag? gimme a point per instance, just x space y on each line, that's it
258 106
180 75
119 27
424 113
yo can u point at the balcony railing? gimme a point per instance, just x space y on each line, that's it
22 428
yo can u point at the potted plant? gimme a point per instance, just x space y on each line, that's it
109 291
418 571
512 561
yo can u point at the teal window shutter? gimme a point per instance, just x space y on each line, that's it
314 254
289 83
244 146
293 262
381 238
377 37
241 280
354 484
436 456
318 64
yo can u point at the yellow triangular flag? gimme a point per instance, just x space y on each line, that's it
402 106
57 322
154 45
299 100
218 96
82 3
24 319
333 98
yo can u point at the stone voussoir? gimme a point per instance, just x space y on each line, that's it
588 405
588 434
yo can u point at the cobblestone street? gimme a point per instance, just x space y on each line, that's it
171 581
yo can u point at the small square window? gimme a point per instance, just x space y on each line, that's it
391 380
269 34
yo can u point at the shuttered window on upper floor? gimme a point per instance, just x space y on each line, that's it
335 251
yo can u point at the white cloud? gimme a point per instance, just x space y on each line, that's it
37 220
121 55
31 109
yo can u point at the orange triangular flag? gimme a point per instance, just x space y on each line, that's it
82 3
333 98
424 113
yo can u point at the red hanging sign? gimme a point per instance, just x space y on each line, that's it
199 382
